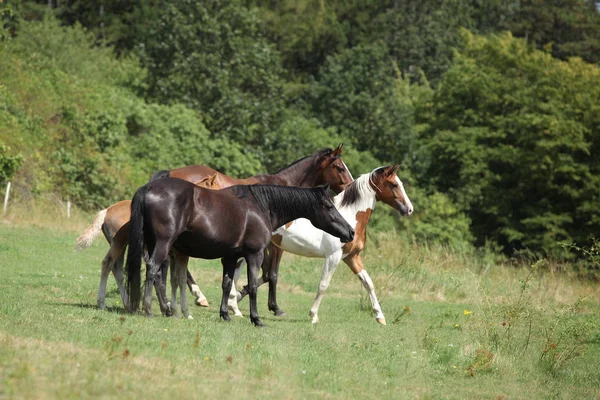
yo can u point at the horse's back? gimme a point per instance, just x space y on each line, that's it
195 173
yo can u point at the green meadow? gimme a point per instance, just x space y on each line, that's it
458 326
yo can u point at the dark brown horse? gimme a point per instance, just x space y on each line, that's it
229 224
323 166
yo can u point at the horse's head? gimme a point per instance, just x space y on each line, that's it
327 218
333 170
389 189
209 182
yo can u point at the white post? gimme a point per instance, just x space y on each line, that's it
6 198
68 209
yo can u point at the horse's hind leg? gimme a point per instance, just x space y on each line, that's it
116 256
159 256
117 271
113 261
160 286
195 289
181 262
104 273
174 284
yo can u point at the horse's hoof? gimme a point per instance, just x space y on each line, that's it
279 313
202 303
238 314
315 319
381 321
190 317
258 323
225 317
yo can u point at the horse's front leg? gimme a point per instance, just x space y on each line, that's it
254 262
356 265
329 267
228 271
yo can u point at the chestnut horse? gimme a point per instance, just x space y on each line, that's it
323 166
356 204
228 224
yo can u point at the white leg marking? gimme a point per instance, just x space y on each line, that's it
200 298
232 302
368 284
329 267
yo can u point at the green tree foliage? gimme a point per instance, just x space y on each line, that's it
9 163
71 109
212 57
361 92
511 136
566 28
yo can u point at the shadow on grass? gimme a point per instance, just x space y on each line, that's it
111 309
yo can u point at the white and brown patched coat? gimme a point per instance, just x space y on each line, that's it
355 204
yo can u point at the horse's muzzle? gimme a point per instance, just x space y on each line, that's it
349 237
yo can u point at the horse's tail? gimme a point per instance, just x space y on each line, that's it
136 248
87 237
163 173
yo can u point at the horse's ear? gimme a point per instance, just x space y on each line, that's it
391 170
211 179
338 151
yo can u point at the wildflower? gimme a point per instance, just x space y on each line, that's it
166 329
454 366
467 312
456 325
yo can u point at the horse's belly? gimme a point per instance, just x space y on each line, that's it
202 247
302 238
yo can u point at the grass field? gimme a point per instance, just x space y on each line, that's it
458 327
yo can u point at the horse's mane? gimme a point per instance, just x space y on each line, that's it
358 189
314 155
285 200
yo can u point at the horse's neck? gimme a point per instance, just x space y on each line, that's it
366 201
279 218
301 174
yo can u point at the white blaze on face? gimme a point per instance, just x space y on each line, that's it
347 169
408 204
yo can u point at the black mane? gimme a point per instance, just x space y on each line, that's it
351 195
282 201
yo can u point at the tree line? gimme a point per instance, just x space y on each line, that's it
492 107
